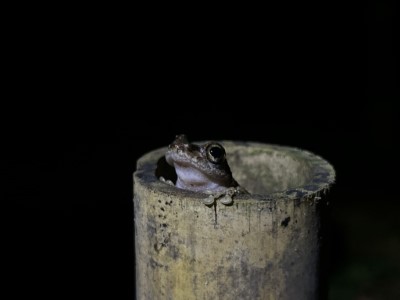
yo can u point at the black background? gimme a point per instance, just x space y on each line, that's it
86 101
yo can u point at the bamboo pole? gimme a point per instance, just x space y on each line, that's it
265 245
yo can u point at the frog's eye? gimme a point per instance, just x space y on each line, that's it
215 153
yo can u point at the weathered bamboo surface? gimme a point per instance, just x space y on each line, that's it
265 245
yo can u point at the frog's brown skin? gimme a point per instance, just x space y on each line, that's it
202 168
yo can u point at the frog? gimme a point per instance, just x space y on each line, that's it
202 168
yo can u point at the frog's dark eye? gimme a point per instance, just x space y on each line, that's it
215 153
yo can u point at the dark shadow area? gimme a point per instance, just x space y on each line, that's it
322 79
165 170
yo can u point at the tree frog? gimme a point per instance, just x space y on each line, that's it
202 168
